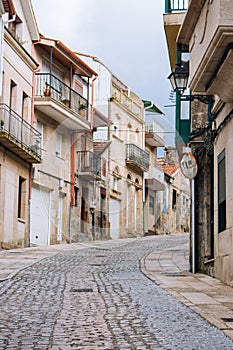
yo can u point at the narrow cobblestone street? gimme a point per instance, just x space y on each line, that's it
97 298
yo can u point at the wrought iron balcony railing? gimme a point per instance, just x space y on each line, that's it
88 164
19 136
48 85
137 157
175 5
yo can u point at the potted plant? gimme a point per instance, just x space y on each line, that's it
113 97
66 102
47 89
82 109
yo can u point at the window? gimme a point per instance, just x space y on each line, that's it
104 167
13 91
221 192
174 199
40 128
116 129
151 205
78 87
25 107
21 197
115 184
59 144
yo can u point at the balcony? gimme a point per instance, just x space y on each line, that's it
155 179
136 158
88 165
175 11
131 104
154 135
57 100
175 5
18 136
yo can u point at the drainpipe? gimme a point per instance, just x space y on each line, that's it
72 170
92 101
72 163
50 65
144 183
32 123
33 110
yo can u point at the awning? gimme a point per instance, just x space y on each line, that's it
151 107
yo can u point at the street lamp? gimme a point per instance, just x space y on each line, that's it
179 81
179 78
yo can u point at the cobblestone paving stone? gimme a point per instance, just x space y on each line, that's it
97 298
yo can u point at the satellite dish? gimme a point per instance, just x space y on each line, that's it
188 165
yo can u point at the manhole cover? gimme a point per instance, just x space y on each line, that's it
174 274
227 319
81 290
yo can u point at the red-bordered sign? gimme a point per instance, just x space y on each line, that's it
188 165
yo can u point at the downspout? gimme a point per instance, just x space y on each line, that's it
33 108
71 78
92 101
50 65
32 123
72 162
72 178
144 183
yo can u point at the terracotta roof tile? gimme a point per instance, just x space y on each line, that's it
9 6
170 169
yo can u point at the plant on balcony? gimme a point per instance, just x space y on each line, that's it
47 90
1 123
113 97
66 102
82 106
82 109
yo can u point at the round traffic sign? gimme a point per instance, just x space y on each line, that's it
188 165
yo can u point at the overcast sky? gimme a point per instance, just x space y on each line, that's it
126 35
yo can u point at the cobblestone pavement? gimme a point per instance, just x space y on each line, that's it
97 298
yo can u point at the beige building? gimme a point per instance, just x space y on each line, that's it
127 158
65 190
20 142
174 201
154 178
129 161
205 30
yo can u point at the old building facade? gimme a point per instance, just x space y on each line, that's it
65 191
20 142
127 158
205 31
154 178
